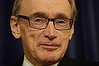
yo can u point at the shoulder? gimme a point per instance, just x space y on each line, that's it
19 62
66 61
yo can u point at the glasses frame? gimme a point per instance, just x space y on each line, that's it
49 20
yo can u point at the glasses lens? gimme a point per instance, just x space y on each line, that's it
38 23
62 24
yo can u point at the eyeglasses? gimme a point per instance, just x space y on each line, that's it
42 23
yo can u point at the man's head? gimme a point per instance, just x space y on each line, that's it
44 27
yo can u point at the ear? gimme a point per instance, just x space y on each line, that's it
15 28
71 32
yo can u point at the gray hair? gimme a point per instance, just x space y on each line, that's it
73 7
16 7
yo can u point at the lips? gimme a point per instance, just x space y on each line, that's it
50 46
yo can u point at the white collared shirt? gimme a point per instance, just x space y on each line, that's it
27 63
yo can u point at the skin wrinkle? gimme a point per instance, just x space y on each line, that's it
32 38
30 29
50 8
33 51
22 29
18 5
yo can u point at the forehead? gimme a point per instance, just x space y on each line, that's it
50 7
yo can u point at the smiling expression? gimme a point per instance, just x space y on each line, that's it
46 46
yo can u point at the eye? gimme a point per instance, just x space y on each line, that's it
38 19
60 21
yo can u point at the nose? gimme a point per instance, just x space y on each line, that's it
50 31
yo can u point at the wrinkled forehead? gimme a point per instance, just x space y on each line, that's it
50 7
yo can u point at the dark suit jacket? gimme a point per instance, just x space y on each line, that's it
66 61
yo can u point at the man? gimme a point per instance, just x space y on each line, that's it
45 28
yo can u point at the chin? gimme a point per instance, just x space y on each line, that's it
51 61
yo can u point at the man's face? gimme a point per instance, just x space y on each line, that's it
46 45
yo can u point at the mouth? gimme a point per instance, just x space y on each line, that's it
49 46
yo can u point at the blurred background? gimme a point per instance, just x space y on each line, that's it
83 46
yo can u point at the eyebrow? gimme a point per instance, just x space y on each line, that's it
42 14
61 16
39 14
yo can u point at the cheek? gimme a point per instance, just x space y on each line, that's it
30 44
28 35
29 39
64 37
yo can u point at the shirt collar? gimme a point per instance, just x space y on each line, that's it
27 63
